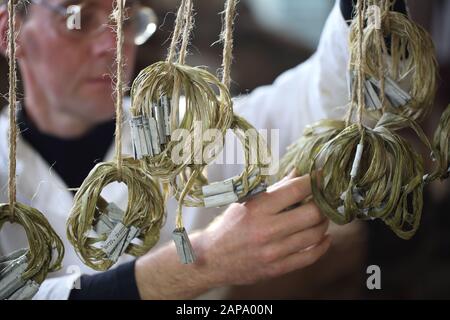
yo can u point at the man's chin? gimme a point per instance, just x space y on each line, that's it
97 113
102 116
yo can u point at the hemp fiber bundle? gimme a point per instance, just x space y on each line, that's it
155 99
398 62
204 108
22 271
441 142
374 173
145 212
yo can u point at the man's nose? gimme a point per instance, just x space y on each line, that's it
104 42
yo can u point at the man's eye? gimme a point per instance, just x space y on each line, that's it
88 20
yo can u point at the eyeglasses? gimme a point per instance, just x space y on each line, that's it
86 20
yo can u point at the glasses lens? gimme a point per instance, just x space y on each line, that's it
140 23
146 25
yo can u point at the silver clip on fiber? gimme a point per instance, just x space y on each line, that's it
183 245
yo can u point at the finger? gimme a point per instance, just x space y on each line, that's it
296 242
290 176
296 220
293 174
301 259
286 194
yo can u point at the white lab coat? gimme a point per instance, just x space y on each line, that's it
311 91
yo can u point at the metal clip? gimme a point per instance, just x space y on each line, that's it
116 252
132 233
154 136
262 187
110 215
394 93
136 141
146 138
158 114
117 235
350 81
184 248
118 240
399 96
218 188
114 212
5 261
372 98
104 225
11 276
220 200
219 194
357 160
226 192
26 292
140 135
167 109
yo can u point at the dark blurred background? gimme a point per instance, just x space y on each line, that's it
272 36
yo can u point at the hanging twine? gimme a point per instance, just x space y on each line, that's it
361 100
357 98
46 249
12 104
176 32
188 19
381 46
227 35
119 82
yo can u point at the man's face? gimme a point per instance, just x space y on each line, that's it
72 74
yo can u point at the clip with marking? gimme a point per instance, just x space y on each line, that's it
183 244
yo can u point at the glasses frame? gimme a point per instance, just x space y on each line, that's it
139 39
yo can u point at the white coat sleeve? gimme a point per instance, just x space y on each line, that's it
314 90
58 288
